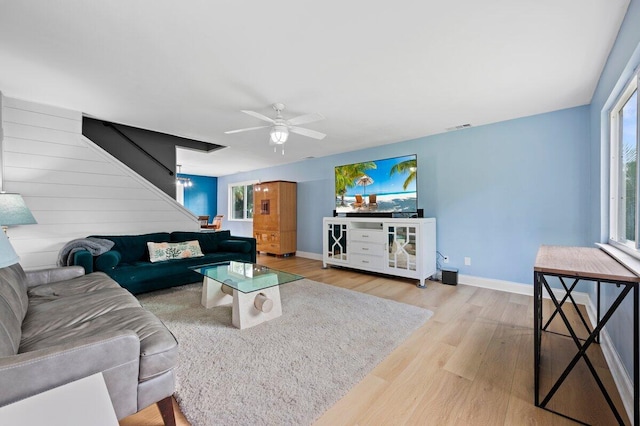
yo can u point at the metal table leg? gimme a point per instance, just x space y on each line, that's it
540 282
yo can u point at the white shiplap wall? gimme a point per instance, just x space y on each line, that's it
73 187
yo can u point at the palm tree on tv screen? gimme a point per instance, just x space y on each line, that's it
347 175
409 166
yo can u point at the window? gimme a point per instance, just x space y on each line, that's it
241 201
623 205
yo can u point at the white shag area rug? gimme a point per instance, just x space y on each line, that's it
287 371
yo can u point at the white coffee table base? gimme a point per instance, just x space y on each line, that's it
212 294
245 311
248 309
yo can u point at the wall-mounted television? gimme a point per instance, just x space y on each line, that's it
377 187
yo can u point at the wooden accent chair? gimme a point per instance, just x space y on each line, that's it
216 225
373 201
204 221
217 222
359 202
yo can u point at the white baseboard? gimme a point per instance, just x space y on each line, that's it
493 284
620 375
518 288
309 255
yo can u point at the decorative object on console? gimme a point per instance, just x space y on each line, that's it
274 225
392 182
14 211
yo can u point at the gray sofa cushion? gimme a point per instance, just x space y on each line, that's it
13 308
71 310
91 305
158 348
82 284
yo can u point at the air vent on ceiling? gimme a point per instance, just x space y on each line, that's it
458 127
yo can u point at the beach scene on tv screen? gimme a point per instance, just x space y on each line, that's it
381 186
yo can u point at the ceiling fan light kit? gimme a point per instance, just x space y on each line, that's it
280 127
279 134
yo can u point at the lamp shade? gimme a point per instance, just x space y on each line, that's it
13 210
8 255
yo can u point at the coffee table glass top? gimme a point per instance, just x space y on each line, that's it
245 277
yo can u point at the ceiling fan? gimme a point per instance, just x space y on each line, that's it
280 127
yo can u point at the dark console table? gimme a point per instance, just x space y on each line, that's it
571 265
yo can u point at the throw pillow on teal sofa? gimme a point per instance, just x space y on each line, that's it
128 261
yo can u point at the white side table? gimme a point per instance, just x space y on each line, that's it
80 403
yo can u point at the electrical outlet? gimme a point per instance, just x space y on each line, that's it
467 261
446 259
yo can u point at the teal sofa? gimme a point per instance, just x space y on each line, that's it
128 260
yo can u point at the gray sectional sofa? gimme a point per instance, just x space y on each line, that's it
60 325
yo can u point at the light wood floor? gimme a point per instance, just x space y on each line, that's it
470 364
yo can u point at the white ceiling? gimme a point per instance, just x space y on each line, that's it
379 71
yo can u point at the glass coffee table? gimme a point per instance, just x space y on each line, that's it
253 289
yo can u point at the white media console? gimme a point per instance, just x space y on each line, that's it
394 246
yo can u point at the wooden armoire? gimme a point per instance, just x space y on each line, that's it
274 218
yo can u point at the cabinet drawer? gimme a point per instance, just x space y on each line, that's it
266 237
367 248
267 246
367 235
369 263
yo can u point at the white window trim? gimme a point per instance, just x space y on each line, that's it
180 194
630 247
230 199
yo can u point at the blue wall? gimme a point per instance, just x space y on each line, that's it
623 60
497 191
202 197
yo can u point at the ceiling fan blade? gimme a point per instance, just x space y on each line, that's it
258 115
307 118
229 132
307 132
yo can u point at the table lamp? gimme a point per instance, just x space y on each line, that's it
8 255
13 211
